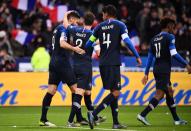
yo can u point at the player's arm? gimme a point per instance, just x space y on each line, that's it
97 49
67 46
128 42
92 38
65 21
148 65
176 55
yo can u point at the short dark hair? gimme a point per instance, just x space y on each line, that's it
89 18
74 14
110 10
165 22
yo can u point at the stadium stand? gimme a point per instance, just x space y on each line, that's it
20 23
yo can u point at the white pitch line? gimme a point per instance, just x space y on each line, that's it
83 128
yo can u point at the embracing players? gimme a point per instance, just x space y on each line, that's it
162 48
60 68
110 33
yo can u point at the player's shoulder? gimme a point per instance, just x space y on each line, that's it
60 28
168 35
118 22
88 31
115 22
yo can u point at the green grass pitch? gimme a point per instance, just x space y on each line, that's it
26 119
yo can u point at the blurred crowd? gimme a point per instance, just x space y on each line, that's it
142 18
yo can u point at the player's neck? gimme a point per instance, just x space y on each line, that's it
164 30
110 18
87 27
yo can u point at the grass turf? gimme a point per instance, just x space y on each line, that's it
26 119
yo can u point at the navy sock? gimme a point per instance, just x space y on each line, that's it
152 104
72 112
76 105
73 94
79 116
88 102
114 109
172 107
45 106
106 102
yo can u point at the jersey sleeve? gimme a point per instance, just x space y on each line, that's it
172 47
93 37
173 51
71 29
127 40
149 61
63 35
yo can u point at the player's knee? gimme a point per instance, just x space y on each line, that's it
52 90
170 92
73 88
87 92
79 91
116 93
159 96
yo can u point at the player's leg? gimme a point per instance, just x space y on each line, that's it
161 83
82 75
89 105
52 88
115 110
153 102
107 76
76 105
172 107
152 105
88 101
68 76
47 100
92 116
107 79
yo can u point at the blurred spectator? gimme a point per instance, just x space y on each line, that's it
153 23
142 16
40 59
4 42
7 62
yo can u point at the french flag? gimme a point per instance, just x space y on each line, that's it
22 37
45 2
23 4
56 14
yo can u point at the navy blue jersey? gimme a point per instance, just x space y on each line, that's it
60 54
79 36
110 33
162 47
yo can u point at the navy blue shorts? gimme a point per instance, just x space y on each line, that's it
58 72
111 77
84 76
162 81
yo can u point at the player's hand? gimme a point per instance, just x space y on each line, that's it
139 62
188 67
145 79
79 50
